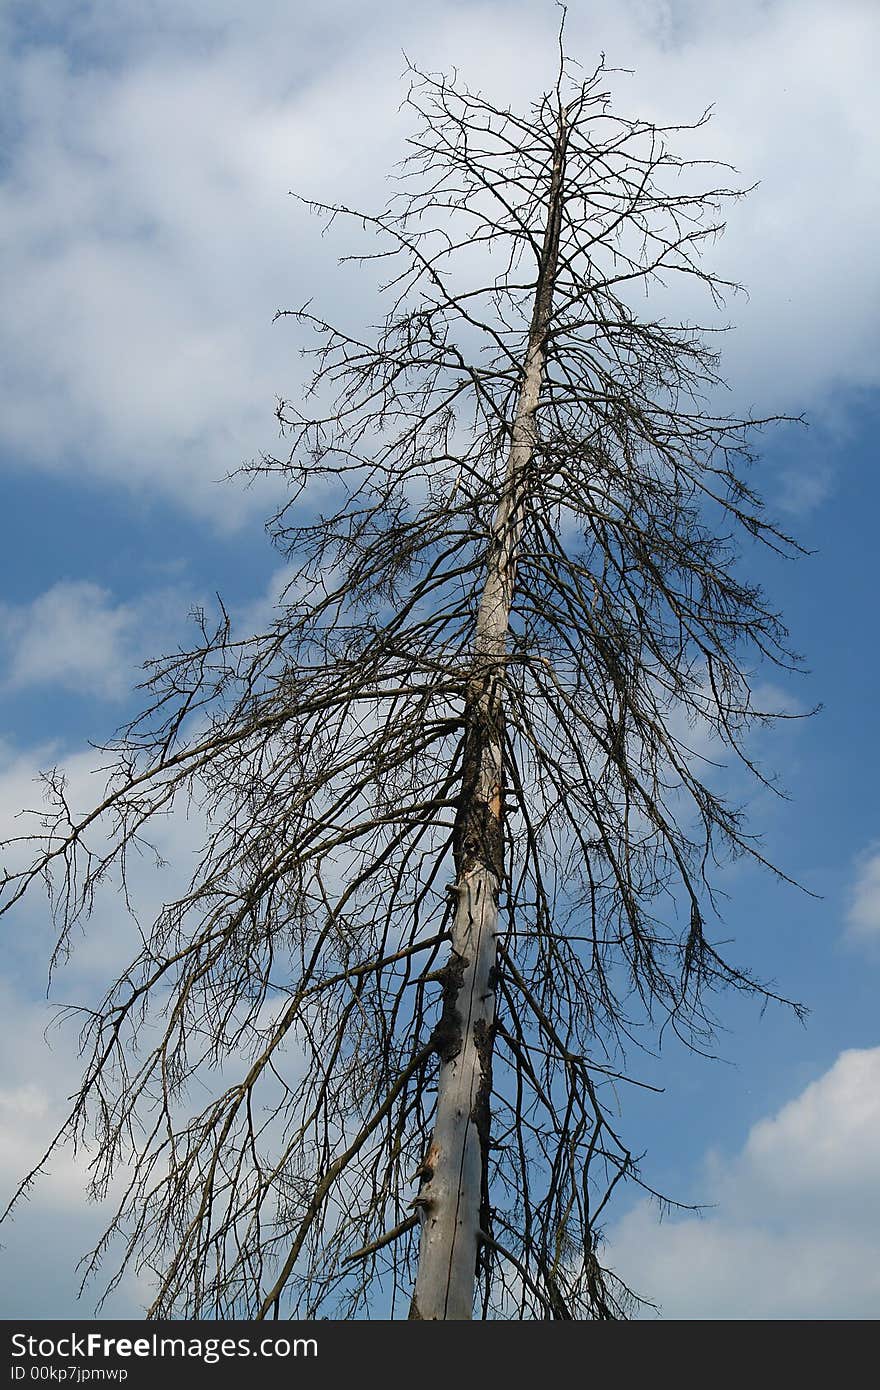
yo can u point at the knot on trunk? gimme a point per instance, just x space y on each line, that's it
446 1038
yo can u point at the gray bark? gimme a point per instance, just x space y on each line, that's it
453 1197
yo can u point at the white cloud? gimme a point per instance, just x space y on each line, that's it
864 913
148 239
39 1063
37 1075
111 937
38 1071
796 1229
77 637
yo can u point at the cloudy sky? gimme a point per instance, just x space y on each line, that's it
148 239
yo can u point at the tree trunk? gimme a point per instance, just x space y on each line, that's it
453 1197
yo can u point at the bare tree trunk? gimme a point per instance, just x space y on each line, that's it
453 1198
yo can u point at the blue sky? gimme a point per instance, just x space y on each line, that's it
147 242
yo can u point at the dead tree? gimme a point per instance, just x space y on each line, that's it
458 851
